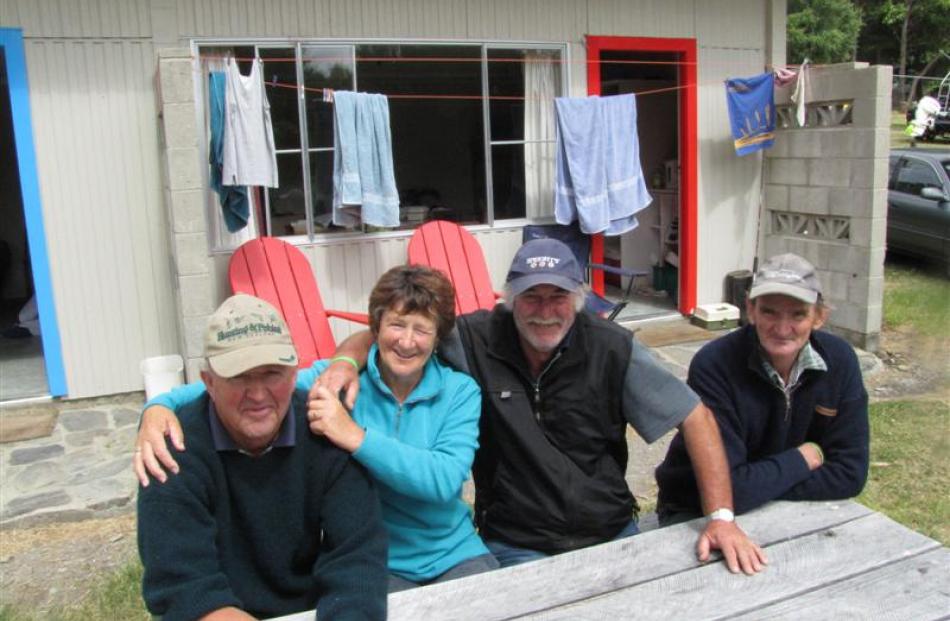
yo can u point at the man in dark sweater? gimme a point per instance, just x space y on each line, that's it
265 518
789 399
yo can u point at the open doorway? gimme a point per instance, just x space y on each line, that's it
22 368
31 366
661 72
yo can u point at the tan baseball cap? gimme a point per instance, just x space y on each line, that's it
787 274
247 332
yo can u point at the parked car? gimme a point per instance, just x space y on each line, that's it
918 204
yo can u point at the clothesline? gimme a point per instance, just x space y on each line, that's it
323 91
450 59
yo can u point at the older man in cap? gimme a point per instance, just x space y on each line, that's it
789 399
265 518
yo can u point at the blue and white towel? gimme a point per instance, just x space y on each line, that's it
235 206
364 184
598 181
752 112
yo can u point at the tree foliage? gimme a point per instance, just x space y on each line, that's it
928 32
824 31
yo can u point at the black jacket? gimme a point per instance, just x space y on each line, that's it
549 473
761 432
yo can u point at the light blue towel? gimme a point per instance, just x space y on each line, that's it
599 181
364 184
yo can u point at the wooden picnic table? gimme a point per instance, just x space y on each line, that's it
827 560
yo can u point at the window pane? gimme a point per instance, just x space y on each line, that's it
438 144
523 85
915 176
287 210
321 186
324 67
508 181
280 84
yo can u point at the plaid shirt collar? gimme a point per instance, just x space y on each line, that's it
808 360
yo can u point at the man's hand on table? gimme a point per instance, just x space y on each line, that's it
739 552
151 452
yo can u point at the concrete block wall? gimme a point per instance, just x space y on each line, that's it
193 270
833 177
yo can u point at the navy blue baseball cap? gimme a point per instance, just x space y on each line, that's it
543 262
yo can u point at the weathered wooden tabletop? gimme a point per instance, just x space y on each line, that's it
827 560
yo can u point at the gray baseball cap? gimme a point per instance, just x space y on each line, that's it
543 261
247 332
787 274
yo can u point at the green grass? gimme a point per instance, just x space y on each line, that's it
916 297
910 465
117 597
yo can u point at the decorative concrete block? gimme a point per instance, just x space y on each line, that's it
834 282
856 259
180 124
870 173
176 79
193 369
776 197
869 232
188 211
194 329
790 171
829 172
871 112
805 143
196 295
836 141
857 203
81 420
810 200
184 172
865 288
191 254
871 143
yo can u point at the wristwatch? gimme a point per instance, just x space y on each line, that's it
726 515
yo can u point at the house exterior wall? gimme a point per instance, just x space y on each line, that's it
143 248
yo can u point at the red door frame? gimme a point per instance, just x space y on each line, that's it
685 50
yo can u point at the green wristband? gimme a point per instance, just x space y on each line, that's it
821 453
356 365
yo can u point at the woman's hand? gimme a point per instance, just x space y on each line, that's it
340 376
151 453
329 418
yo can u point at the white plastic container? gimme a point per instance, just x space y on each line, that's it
161 373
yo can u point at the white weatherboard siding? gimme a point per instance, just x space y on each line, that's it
91 68
95 132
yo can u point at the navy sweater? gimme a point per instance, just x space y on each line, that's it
761 431
296 528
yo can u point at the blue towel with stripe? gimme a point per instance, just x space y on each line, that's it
598 179
364 182
752 112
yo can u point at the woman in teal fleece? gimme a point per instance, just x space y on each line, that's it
414 428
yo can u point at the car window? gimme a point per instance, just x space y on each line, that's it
892 171
914 175
946 166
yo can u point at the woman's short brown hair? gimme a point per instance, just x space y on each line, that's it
414 289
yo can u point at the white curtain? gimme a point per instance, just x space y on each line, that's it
541 86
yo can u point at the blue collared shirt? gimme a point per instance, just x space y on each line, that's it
286 435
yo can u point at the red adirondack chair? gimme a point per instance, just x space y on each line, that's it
448 247
276 271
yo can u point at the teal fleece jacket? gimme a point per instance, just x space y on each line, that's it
295 528
420 453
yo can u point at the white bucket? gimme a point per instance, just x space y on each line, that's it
161 373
